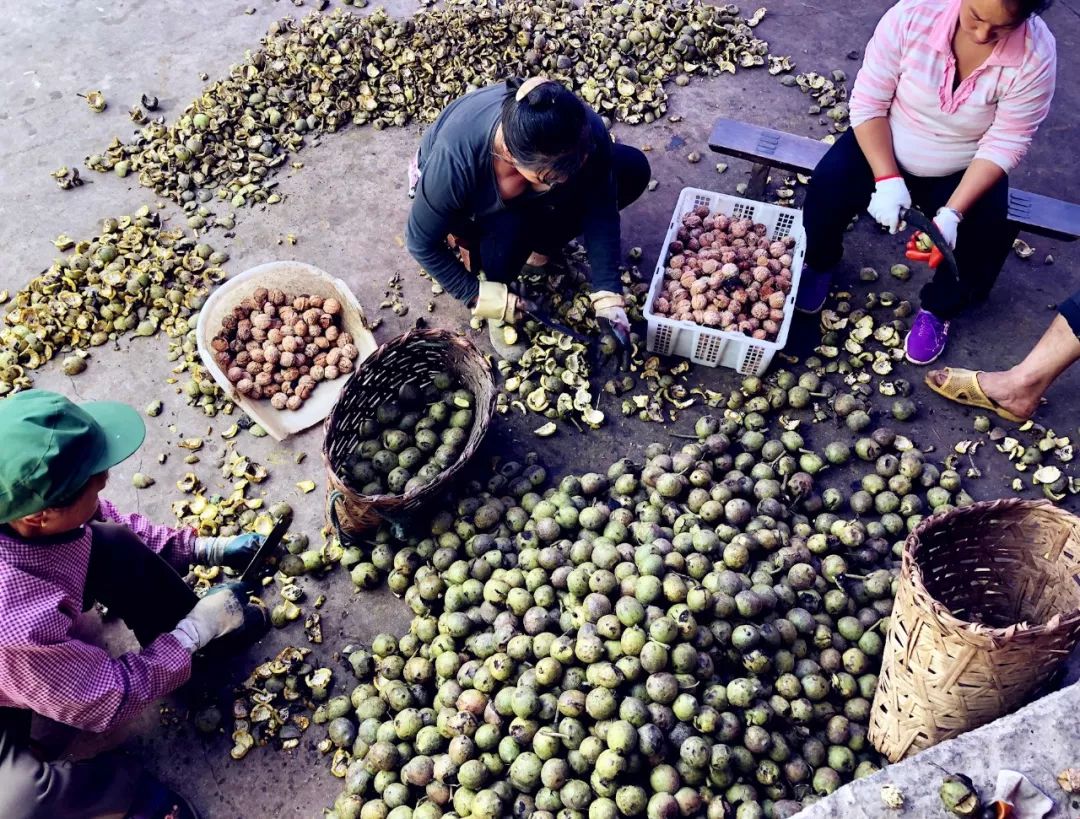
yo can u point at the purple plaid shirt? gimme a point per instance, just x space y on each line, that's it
52 674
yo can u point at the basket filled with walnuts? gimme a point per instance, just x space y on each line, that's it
281 339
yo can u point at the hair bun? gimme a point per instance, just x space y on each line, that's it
540 100
525 90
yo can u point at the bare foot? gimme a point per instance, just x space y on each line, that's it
1007 389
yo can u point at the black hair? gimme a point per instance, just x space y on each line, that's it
547 131
1029 8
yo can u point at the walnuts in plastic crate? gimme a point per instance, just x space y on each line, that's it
723 272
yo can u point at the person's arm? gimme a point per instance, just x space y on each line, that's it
602 224
80 685
177 546
875 139
981 175
439 197
873 91
1019 113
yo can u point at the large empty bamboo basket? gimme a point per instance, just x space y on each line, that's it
988 605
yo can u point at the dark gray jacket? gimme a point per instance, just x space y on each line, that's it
458 187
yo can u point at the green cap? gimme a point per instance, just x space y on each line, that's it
52 447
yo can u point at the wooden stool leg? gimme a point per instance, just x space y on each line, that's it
759 178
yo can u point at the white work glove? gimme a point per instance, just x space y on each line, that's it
890 195
234 552
495 301
947 221
221 611
611 306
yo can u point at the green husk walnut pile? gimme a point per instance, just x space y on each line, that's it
696 635
412 439
318 75
134 277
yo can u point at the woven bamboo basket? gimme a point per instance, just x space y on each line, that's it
988 605
409 359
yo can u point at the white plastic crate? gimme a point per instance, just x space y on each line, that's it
707 345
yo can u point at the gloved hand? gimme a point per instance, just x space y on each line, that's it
221 611
495 301
614 342
234 552
948 221
611 306
890 195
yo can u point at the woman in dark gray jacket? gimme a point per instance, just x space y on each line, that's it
505 177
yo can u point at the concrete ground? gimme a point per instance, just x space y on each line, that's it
347 207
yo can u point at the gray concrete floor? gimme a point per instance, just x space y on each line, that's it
347 207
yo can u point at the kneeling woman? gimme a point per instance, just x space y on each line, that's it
507 175
944 107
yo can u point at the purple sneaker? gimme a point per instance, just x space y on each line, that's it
926 339
813 289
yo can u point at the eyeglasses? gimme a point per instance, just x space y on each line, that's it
546 183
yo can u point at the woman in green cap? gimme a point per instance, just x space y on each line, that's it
62 548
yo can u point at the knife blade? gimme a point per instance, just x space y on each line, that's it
917 219
551 324
250 576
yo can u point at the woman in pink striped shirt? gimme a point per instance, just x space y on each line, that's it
946 103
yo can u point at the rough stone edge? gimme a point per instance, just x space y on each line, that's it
1039 740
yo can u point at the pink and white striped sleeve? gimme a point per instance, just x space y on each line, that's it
875 84
1023 107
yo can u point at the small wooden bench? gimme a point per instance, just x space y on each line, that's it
768 148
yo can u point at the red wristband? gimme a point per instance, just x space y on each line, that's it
890 176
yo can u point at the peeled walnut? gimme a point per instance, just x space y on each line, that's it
278 400
294 402
331 372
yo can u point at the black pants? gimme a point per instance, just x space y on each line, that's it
506 238
841 187
151 598
1070 309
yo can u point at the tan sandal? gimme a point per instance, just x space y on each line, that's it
962 386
